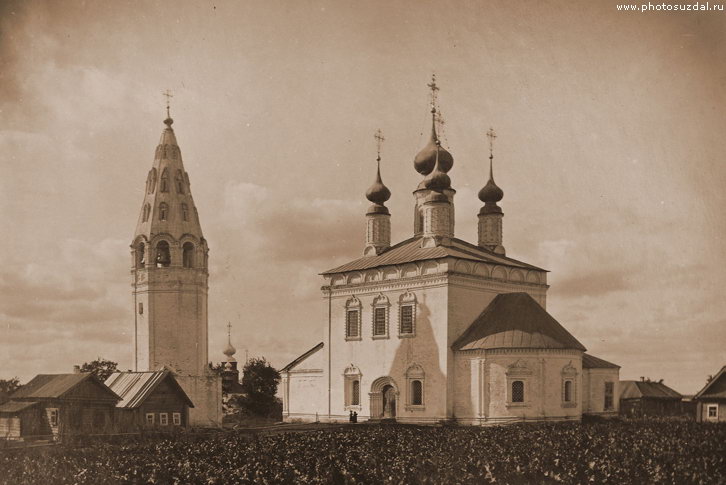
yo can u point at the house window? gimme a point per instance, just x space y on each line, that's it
355 393
416 393
351 324
188 255
415 378
609 392
712 411
176 419
352 318
517 391
380 316
407 315
53 416
163 419
163 211
568 391
569 385
150 418
352 377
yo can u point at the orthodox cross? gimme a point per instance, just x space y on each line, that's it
168 95
379 142
434 89
491 135
229 331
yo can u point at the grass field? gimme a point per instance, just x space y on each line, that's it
611 452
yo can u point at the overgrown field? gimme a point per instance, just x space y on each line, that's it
613 452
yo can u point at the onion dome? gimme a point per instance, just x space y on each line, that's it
229 351
437 180
378 193
426 159
490 194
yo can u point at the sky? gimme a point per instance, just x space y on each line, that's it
610 152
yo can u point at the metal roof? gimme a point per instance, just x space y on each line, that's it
16 406
592 362
302 357
647 389
54 386
410 250
515 320
135 387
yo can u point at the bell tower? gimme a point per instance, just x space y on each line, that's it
169 269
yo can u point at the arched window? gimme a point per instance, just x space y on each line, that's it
185 212
164 181
407 315
517 391
188 255
163 211
140 256
179 182
355 394
380 316
568 391
151 181
147 210
416 393
163 255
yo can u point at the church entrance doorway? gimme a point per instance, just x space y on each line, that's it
389 402
384 398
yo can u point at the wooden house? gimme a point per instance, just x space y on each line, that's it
59 405
149 400
649 398
711 400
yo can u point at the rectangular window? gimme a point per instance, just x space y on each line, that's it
416 393
568 391
609 391
150 418
407 319
53 417
355 398
517 391
379 321
177 418
351 323
713 411
163 419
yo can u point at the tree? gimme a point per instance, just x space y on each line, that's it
100 367
7 387
259 384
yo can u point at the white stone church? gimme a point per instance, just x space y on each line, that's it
435 328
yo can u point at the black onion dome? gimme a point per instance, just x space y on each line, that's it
378 193
491 192
437 180
426 159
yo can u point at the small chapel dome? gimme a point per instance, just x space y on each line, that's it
378 193
229 351
491 192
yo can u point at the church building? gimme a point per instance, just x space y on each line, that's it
435 328
169 284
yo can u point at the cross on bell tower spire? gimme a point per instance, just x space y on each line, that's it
168 121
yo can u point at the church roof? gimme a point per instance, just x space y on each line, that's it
515 320
592 362
410 250
647 389
135 387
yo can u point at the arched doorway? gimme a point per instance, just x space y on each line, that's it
389 402
384 398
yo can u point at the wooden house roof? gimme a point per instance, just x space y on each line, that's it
13 407
647 389
135 387
715 388
60 386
